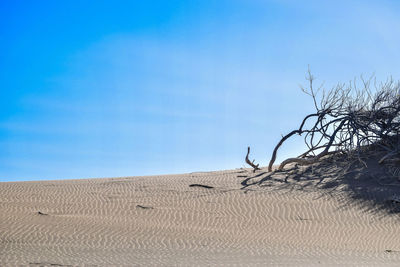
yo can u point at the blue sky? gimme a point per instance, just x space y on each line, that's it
125 88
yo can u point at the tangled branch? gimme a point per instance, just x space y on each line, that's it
348 119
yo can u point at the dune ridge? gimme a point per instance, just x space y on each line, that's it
162 220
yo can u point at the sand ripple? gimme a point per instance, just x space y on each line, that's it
161 220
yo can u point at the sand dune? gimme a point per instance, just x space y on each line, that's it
162 220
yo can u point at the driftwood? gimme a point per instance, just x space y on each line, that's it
251 163
144 207
201 185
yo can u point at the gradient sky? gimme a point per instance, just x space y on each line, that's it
126 88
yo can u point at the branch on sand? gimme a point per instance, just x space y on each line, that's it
251 163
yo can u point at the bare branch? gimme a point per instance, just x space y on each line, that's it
251 163
299 131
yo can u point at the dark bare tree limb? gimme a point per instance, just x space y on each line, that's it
299 131
316 158
251 163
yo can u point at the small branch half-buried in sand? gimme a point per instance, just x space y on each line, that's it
251 163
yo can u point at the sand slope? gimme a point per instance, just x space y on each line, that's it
161 220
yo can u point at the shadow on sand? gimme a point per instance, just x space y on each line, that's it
373 188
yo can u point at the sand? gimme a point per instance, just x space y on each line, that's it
163 221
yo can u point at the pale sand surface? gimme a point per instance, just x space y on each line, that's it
98 222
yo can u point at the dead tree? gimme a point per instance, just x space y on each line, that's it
348 118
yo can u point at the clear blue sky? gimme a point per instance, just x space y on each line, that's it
125 88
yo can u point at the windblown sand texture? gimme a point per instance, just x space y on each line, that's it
162 221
